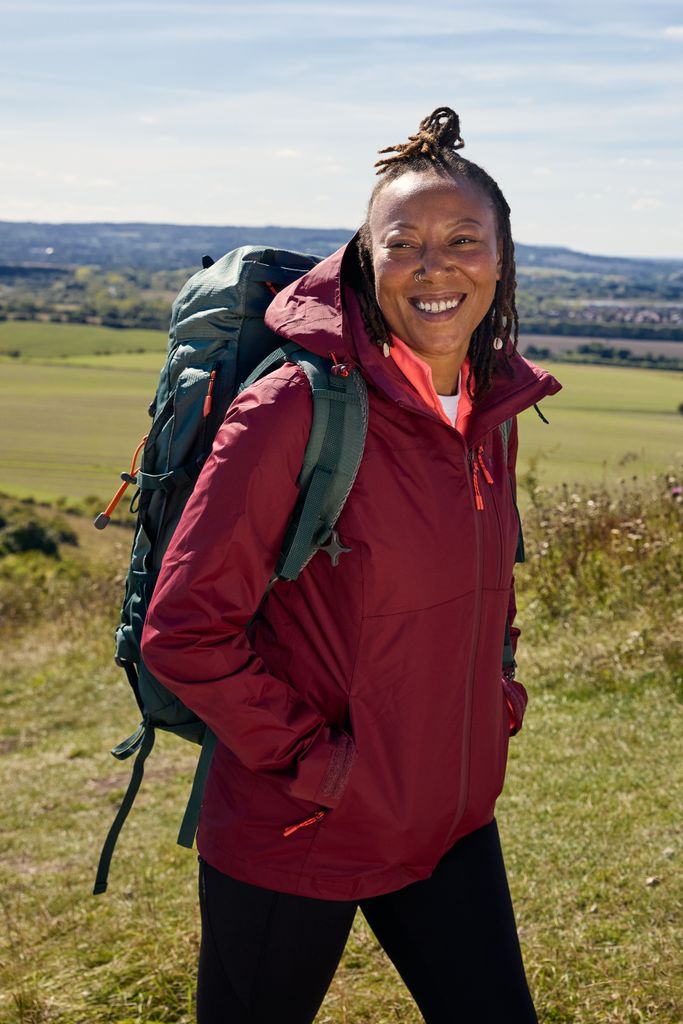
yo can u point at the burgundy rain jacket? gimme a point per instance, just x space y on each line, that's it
361 718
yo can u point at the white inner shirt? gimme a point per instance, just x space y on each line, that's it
450 403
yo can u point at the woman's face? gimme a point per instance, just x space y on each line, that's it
445 231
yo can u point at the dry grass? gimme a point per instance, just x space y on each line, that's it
590 818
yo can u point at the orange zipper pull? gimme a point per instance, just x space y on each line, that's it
208 400
484 467
478 500
309 821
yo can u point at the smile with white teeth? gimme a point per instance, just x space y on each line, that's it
439 306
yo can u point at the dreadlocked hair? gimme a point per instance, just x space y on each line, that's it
434 149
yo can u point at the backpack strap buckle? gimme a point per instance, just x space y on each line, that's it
333 547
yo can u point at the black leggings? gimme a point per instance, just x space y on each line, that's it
270 957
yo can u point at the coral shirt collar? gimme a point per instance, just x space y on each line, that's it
419 374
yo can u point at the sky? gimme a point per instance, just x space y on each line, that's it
258 113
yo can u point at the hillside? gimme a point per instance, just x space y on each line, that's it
172 246
125 275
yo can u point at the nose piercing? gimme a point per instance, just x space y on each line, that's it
418 275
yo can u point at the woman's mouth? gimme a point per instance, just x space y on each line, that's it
442 304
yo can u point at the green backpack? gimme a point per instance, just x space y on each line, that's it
218 344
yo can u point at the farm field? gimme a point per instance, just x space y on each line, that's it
565 342
71 423
39 340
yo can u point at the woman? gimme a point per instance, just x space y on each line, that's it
361 716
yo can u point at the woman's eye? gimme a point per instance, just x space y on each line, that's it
462 240
398 245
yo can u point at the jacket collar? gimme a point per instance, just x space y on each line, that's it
322 314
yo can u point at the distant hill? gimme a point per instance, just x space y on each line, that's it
174 246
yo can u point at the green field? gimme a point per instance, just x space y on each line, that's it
71 422
38 340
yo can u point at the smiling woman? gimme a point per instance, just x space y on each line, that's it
363 710
444 222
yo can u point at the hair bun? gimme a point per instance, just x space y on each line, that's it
443 126
439 131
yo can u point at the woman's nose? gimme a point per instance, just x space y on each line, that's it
436 262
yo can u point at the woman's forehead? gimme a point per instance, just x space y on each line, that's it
415 197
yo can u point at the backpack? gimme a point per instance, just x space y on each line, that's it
218 344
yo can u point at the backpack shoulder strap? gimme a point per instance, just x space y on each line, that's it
505 429
331 461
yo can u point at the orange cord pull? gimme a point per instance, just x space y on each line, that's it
484 467
478 499
209 400
128 479
271 287
309 821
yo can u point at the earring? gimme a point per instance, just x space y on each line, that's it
498 344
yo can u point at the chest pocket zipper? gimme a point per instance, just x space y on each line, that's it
478 464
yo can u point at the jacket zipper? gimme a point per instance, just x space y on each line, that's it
479 501
476 626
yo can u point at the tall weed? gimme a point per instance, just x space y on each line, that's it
603 571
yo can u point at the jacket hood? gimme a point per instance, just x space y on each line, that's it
320 313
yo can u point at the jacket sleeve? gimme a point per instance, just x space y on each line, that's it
212 579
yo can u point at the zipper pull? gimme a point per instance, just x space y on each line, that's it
208 401
478 499
484 467
309 821
338 369
478 463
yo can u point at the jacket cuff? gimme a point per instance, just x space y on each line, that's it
517 699
323 774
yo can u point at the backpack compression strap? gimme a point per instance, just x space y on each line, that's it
144 747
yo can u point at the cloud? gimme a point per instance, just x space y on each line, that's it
646 203
288 154
631 161
673 32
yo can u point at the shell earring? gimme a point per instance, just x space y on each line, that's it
498 344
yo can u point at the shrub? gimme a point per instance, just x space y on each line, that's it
604 547
22 531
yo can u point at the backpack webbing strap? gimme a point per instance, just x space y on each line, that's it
188 826
122 813
269 363
508 654
505 429
293 559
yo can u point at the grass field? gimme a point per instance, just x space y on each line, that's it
70 428
39 340
590 817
